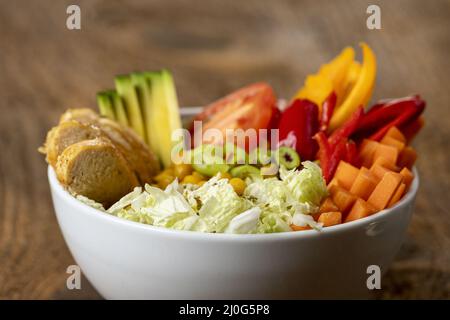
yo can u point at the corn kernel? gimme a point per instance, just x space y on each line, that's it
238 185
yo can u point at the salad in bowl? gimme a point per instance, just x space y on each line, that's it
247 163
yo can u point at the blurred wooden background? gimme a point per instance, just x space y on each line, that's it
212 47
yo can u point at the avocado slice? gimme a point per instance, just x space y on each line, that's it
144 93
164 116
127 91
105 105
119 108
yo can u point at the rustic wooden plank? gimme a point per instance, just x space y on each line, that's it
212 47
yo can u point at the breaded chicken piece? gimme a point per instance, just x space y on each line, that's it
64 135
82 115
141 159
135 150
96 169
97 157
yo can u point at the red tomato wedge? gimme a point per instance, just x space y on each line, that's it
249 107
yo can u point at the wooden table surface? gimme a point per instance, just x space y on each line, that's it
212 47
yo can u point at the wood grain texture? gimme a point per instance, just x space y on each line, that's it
212 47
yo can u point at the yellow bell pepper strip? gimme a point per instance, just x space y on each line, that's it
330 78
337 69
317 88
350 79
361 90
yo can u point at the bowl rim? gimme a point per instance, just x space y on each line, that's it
344 227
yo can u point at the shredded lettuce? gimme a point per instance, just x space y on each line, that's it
154 206
268 205
90 202
307 185
303 220
217 203
298 194
246 222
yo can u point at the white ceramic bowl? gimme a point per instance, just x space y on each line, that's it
129 260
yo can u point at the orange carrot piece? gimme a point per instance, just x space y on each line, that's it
360 209
396 134
299 228
384 162
367 151
378 170
346 174
385 190
330 218
397 195
342 198
407 157
364 184
333 182
388 152
328 205
408 177
389 141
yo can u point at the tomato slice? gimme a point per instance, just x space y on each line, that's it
246 108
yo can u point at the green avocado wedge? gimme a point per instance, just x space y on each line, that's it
144 93
164 115
105 105
127 91
119 108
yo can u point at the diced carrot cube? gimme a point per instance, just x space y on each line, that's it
364 184
333 182
388 152
330 218
396 134
384 162
407 157
328 205
299 228
360 209
408 177
367 151
342 198
385 190
397 195
346 174
379 171
389 141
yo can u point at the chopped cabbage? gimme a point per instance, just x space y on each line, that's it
268 205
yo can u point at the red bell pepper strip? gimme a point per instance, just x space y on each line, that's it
382 114
329 157
411 129
327 111
375 107
351 153
301 118
275 119
389 102
273 124
324 154
336 157
337 146
347 129
408 116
